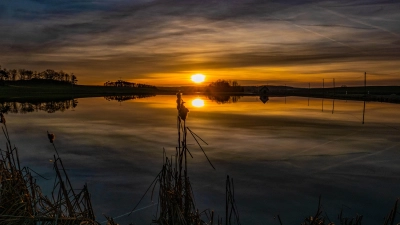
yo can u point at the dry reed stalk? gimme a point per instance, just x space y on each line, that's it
175 194
22 201
176 204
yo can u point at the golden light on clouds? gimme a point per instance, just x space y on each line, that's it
248 46
198 78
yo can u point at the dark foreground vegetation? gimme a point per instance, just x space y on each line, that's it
22 201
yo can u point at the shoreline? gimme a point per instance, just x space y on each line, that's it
390 94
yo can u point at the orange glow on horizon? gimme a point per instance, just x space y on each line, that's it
295 76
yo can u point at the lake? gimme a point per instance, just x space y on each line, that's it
282 154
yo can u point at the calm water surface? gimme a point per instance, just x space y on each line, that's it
282 154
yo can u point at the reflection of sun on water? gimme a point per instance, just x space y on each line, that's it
198 102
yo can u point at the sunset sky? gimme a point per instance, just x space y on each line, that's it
164 42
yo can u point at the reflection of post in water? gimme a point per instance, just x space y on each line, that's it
363 113
285 93
333 105
309 92
322 104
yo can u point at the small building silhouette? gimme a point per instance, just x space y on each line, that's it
263 90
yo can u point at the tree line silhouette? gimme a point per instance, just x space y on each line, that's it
27 107
49 74
122 83
224 86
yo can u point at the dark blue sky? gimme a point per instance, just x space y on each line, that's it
164 42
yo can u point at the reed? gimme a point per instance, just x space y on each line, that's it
22 201
176 203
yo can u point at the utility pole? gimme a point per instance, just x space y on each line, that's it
365 84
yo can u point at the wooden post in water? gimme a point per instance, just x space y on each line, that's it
363 113
323 86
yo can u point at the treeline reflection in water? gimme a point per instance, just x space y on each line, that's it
54 105
50 106
222 99
121 98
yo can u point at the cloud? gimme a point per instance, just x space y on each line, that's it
166 36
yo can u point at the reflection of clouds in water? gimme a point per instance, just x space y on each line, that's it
276 154
271 154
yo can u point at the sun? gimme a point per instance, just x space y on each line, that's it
198 78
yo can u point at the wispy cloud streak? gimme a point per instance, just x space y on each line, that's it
143 39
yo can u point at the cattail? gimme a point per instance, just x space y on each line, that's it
183 111
51 137
2 119
178 100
